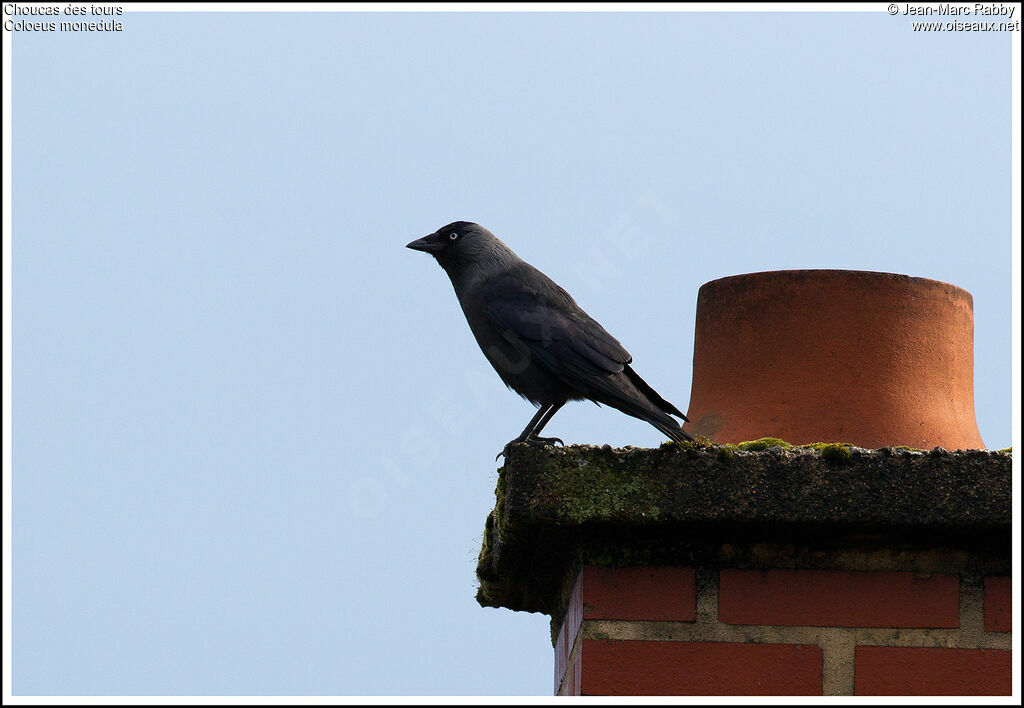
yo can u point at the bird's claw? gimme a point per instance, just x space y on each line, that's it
532 442
541 442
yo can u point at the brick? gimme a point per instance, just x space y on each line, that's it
928 671
568 631
838 598
666 593
649 668
998 605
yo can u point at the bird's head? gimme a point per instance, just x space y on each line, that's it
462 245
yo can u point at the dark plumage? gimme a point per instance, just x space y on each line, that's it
541 343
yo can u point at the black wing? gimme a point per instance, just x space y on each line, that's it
530 309
558 333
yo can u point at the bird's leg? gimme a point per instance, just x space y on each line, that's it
534 438
538 421
527 431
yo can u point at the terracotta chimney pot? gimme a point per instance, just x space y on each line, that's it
873 359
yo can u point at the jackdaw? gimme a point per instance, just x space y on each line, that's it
541 343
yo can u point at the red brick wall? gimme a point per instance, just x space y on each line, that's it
997 604
838 598
929 671
687 631
638 668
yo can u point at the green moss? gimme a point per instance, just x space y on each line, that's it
700 442
613 495
597 483
762 444
588 484
500 492
1007 450
485 548
833 453
836 454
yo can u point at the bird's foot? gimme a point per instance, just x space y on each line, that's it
541 442
532 442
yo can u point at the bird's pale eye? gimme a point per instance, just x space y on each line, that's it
453 235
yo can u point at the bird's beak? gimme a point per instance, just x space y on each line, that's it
427 244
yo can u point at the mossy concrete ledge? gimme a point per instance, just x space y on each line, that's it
559 508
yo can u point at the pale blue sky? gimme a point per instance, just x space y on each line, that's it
253 438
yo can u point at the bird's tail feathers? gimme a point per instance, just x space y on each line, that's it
642 402
676 433
651 394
